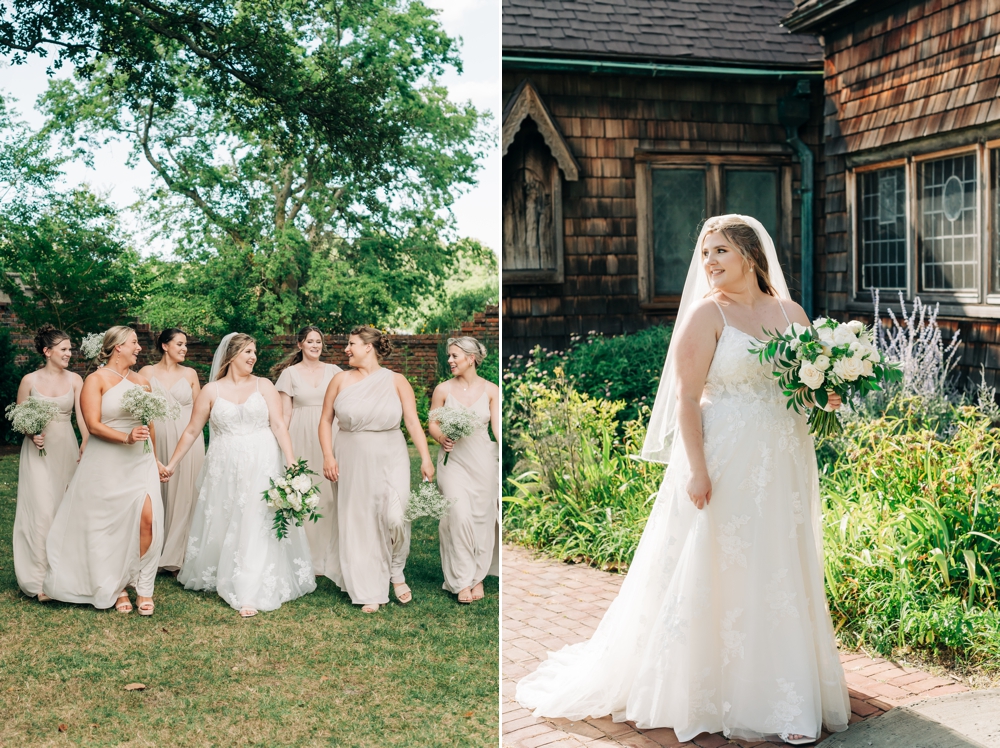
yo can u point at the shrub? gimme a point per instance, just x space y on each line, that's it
10 379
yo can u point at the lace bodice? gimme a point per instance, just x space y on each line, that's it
736 372
239 419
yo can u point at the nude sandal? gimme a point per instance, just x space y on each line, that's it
370 608
43 598
407 594
799 740
465 596
123 604
480 594
146 608
248 612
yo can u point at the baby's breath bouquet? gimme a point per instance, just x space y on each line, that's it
92 344
427 501
455 423
31 416
293 497
146 407
827 356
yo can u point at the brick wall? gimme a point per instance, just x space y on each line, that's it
413 355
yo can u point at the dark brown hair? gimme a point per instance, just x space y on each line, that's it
297 356
380 341
166 336
48 336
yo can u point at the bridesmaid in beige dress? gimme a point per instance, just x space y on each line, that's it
472 475
302 382
42 481
372 469
108 531
178 384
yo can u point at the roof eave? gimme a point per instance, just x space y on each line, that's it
825 16
533 60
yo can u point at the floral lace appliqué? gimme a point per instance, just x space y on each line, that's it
732 544
732 640
786 709
779 599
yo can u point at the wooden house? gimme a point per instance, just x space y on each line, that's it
625 125
911 136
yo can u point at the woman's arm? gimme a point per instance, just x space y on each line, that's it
437 401
23 393
413 427
192 377
199 417
80 422
494 408
694 347
286 408
331 471
90 405
277 419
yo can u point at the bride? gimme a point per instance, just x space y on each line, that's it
232 547
721 624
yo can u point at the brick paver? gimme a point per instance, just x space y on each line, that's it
548 604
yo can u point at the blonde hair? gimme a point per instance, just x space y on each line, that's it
744 240
379 341
237 344
470 347
115 336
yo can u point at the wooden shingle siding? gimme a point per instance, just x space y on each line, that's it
606 120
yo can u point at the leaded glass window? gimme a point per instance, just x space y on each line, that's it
882 228
948 223
679 207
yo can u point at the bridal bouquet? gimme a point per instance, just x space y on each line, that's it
455 423
828 356
147 407
293 497
31 416
427 501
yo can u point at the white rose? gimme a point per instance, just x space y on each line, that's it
273 494
810 376
281 482
826 335
848 369
301 483
295 501
844 335
312 501
867 368
822 362
856 326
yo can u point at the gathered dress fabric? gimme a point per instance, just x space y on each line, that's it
373 490
471 479
179 493
307 407
721 624
41 484
93 546
232 548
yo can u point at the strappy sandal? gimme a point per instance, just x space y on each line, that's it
465 596
123 604
370 608
146 608
248 612
43 598
407 595
481 592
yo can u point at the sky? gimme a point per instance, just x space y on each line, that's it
477 212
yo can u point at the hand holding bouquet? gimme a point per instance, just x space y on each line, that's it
293 497
455 423
427 501
146 407
31 417
828 356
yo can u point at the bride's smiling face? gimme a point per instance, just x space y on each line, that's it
724 265
244 361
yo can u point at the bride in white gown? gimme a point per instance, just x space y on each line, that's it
721 624
232 547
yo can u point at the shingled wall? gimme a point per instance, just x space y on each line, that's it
606 119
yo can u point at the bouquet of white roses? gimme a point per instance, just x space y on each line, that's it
827 356
31 416
146 407
293 497
455 423
427 501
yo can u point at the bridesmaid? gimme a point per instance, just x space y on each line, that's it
372 467
179 384
108 531
472 476
302 382
42 481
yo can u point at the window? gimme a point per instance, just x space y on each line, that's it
676 194
882 219
949 224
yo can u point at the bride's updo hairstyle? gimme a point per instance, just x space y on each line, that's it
237 344
745 240
48 336
379 341
115 336
470 347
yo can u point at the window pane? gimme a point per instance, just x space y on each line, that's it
949 224
882 224
995 259
754 194
678 210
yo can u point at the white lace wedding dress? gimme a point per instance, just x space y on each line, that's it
721 624
232 547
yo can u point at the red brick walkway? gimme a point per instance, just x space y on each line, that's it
548 604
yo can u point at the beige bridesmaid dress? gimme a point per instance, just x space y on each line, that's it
93 546
373 490
41 483
471 478
180 492
307 406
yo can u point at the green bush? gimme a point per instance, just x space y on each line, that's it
10 379
577 492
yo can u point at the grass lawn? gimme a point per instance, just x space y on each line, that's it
315 672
